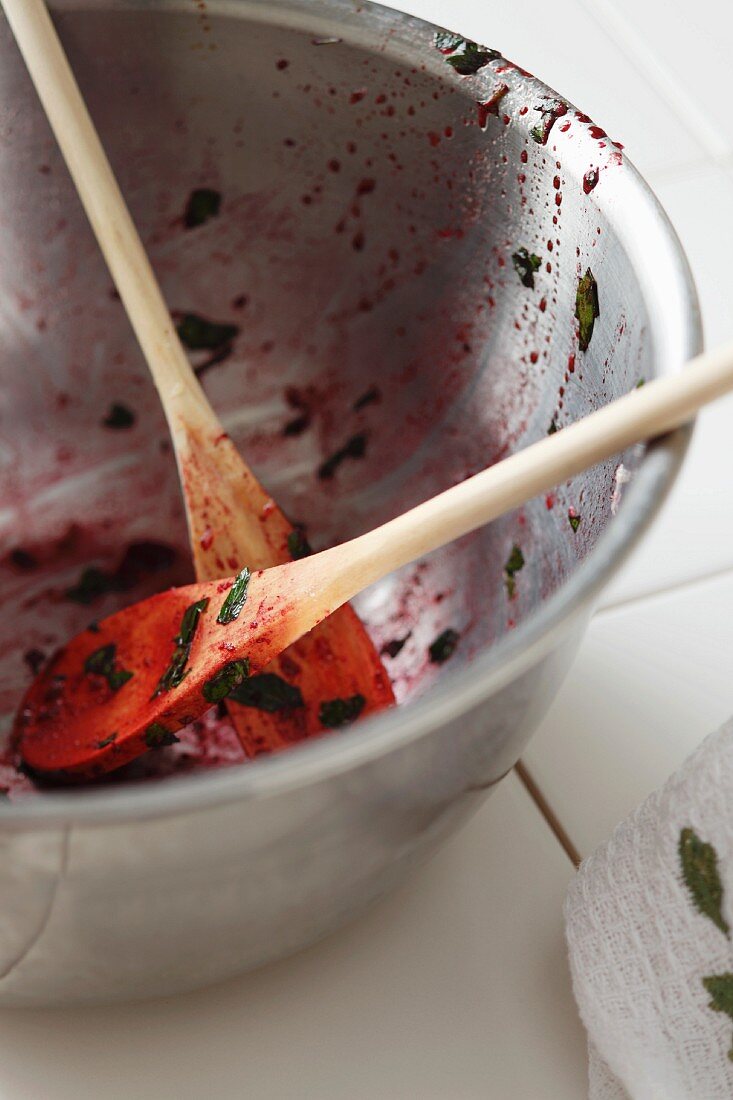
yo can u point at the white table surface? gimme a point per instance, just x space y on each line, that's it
457 987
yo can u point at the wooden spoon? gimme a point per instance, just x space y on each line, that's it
231 519
88 713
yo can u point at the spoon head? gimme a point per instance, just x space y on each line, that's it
128 683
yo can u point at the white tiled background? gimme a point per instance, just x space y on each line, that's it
456 988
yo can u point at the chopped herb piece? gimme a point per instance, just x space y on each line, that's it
119 416
226 680
92 584
190 621
298 544
107 741
699 863
176 671
35 659
720 988
514 563
525 265
551 110
23 559
102 663
354 448
553 427
392 648
157 736
203 203
640 383
444 646
268 692
586 308
574 519
140 559
198 334
463 55
118 677
339 712
235 598
371 397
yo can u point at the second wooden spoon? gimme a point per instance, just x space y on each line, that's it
231 519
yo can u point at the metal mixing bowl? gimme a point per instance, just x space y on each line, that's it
371 210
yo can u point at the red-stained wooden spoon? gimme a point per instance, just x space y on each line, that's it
130 683
231 519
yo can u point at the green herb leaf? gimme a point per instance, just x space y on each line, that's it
340 712
235 598
176 671
119 416
550 110
268 692
202 205
198 334
226 680
157 736
298 544
444 646
586 308
92 584
102 663
514 563
190 621
107 741
720 988
354 448
574 519
525 265
465 56
699 862
640 383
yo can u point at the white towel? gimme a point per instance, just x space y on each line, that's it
650 934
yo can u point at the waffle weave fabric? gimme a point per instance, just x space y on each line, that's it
649 923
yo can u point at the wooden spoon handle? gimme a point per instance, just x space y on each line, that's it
645 413
180 393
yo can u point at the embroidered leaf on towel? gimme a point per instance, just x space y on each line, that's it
699 862
720 988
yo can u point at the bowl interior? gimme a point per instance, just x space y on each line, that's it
400 248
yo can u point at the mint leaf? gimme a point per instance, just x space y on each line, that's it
550 110
119 416
354 448
463 55
198 334
268 692
514 563
102 663
525 265
699 863
720 988
203 204
586 308
298 544
176 671
235 598
156 736
340 712
444 646
226 680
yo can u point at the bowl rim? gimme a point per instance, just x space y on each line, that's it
310 762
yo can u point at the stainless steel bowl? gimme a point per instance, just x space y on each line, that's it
371 210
